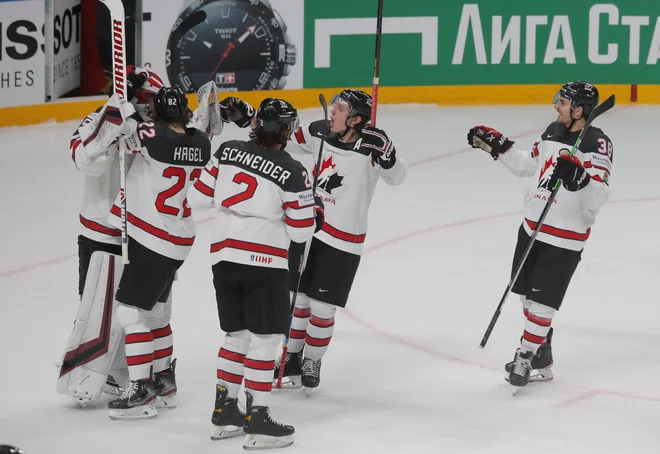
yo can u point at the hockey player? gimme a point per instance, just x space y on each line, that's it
169 158
93 150
91 153
547 271
264 201
355 157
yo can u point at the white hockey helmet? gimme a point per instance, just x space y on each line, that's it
145 94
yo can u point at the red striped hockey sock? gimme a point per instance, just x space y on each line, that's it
139 352
259 366
163 348
298 329
536 330
230 369
319 331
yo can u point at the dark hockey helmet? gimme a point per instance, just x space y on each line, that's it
581 94
6 449
171 104
359 102
276 121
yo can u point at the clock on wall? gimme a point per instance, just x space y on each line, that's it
241 45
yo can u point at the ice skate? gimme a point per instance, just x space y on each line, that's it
137 402
541 363
291 379
311 374
262 431
165 384
520 372
227 417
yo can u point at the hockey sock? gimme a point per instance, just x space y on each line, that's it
301 315
259 366
537 326
139 342
320 329
163 348
230 361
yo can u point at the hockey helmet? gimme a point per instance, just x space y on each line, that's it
581 94
171 104
359 103
277 118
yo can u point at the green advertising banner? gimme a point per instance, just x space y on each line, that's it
451 42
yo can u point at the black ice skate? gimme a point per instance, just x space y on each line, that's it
292 371
165 382
262 431
522 366
227 417
311 373
541 363
137 402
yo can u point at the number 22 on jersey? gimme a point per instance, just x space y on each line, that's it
180 176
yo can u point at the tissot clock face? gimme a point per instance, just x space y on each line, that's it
240 46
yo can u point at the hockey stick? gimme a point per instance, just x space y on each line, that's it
116 8
599 110
302 256
379 34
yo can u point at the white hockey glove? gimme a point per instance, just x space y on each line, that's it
206 117
111 123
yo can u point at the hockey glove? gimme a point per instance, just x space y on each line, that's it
319 213
376 142
573 176
134 82
489 140
236 110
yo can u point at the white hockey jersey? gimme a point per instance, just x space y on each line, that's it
569 221
347 180
101 188
263 200
165 167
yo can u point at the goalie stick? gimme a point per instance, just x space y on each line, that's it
302 258
598 111
116 8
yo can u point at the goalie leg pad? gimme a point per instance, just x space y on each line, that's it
96 334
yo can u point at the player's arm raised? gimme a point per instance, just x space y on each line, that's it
391 169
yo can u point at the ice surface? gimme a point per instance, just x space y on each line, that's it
404 372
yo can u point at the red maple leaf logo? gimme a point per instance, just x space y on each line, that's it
325 165
546 166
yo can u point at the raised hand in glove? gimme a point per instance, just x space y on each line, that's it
376 142
573 176
319 213
236 110
489 140
134 82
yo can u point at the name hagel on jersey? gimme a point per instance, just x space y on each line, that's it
263 199
346 181
568 223
166 165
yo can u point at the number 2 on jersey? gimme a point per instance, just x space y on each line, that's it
180 174
242 178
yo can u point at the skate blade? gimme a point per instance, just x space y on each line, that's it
166 402
141 412
541 375
292 382
254 442
309 392
224 432
515 389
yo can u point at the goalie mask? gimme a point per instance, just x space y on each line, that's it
142 97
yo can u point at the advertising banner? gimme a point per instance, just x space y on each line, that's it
453 42
240 44
22 59
66 46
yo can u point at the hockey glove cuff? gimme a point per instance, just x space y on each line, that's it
573 176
